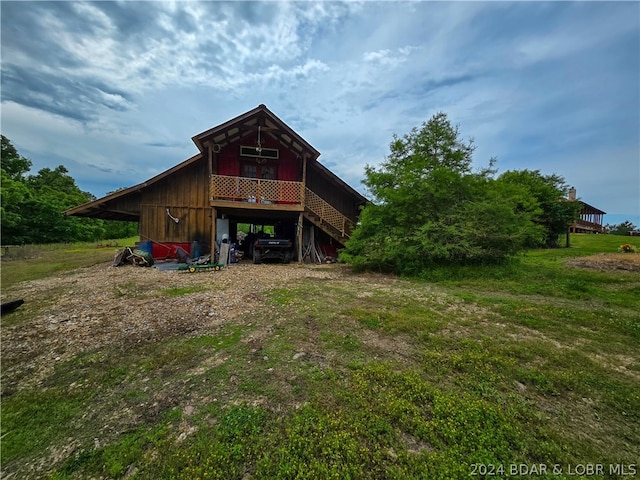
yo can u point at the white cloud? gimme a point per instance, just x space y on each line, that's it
539 85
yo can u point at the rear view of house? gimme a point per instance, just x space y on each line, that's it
251 170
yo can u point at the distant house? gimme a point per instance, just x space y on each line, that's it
590 219
252 169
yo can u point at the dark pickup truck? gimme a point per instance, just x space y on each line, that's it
272 249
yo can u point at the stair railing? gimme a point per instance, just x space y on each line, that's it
327 213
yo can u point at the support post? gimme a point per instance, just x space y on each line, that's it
300 228
214 216
304 170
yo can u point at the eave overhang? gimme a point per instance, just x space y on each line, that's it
248 123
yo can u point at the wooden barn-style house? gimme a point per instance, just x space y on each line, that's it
252 170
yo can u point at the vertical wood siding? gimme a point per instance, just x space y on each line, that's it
289 166
185 194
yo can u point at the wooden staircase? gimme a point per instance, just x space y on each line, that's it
326 217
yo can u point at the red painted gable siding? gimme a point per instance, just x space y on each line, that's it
288 165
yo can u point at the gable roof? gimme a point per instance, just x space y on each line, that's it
590 209
262 119
107 207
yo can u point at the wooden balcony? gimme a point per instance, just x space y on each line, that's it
585 226
256 193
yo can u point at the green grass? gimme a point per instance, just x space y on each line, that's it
529 363
31 420
584 244
31 262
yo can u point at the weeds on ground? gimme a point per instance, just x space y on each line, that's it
360 379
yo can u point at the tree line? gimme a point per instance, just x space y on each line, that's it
32 206
430 208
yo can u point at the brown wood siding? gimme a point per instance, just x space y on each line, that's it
194 224
128 203
187 187
186 195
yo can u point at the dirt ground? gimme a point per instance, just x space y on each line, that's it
86 309
608 261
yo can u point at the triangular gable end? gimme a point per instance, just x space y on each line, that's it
259 120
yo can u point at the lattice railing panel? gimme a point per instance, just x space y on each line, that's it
327 213
255 190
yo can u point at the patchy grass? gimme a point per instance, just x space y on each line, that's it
176 291
370 377
30 262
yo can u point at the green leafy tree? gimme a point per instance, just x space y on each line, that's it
621 228
120 229
550 210
32 205
14 165
54 191
13 192
429 207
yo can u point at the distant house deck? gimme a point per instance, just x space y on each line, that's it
590 221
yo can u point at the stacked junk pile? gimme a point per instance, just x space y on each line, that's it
172 256
195 256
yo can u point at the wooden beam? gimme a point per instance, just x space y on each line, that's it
258 206
300 228
210 160
214 215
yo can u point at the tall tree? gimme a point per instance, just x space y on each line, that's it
53 192
13 192
13 195
550 210
430 208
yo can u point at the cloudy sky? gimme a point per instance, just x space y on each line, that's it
114 91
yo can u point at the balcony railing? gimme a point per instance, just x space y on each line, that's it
586 225
256 190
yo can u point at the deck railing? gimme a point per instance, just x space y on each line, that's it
255 190
586 225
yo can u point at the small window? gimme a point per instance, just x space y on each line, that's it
272 153
250 170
